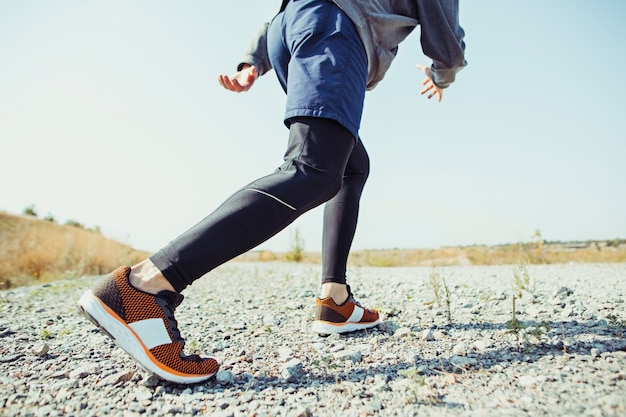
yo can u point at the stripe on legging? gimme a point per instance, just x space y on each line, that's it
274 197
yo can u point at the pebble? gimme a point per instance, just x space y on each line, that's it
414 363
40 349
224 377
428 335
349 355
460 349
292 370
116 378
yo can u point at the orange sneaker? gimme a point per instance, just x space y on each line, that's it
144 326
344 318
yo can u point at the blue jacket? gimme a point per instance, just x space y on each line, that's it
382 25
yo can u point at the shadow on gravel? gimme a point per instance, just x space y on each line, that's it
563 339
528 343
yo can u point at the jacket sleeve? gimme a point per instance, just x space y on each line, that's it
256 54
442 38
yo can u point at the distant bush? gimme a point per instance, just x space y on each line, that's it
296 251
74 223
50 218
30 211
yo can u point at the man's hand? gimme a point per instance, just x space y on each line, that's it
241 81
429 85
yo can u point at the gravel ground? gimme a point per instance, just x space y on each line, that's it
436 353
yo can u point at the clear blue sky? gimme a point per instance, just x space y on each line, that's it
111 115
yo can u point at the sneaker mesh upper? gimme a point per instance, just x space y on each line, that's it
133 305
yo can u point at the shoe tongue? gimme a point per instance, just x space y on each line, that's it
173 298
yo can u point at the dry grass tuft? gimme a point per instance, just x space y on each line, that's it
35 251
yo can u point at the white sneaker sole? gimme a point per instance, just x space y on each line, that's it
326 327
127 339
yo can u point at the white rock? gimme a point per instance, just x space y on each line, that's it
292 370
285 352
481 345
402 332
40 349
460 349
427 335
527 380
224 377
353 355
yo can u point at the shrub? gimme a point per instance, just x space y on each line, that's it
30 211
296 251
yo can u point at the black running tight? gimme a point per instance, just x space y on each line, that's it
322 164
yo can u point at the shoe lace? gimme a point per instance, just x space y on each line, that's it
169 307
173 300
173 324
352 299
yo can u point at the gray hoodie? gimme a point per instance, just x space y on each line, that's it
382 25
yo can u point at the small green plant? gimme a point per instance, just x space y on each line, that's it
420 391
267 329
615 322
296 247
521 283
522 330
434 285
65 332
326 367
46 334
447 299
521 279
413 374
441 292
537 331
514 325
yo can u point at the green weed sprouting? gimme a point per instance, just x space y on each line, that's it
447 299
46 334
615 322
66 331
296 245
521 279
521 283
434 285
514 325
441 292
538 330
326 366
419 388
413 374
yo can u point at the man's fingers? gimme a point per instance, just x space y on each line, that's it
433 90
229 83
429 86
